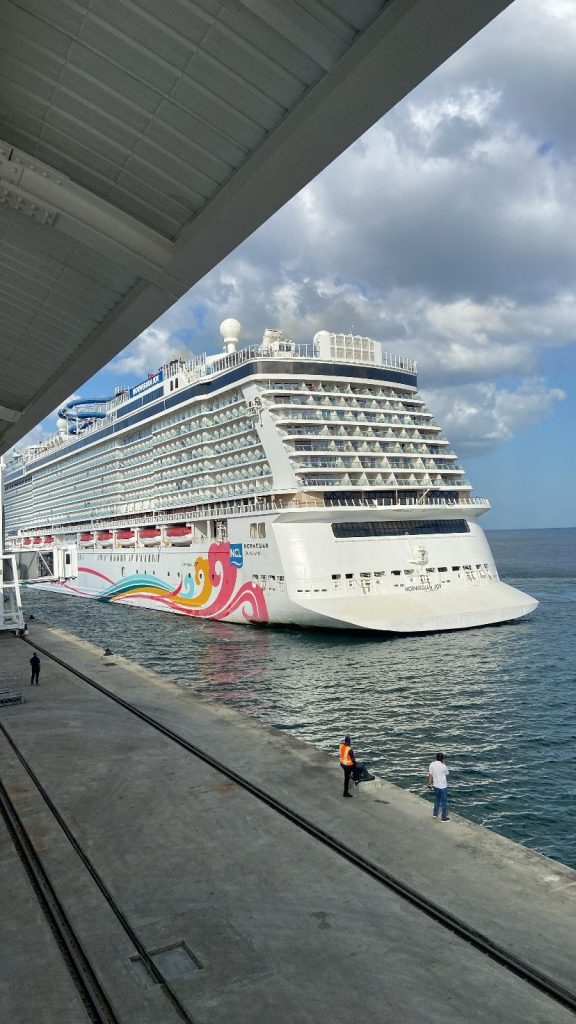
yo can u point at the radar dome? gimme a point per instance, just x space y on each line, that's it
321 336
230 331
62 426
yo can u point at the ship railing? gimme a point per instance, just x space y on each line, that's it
231 509
353 502
233 359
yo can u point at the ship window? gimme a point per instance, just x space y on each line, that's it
336 576
394 528
442 568
396 572
430 570
455 568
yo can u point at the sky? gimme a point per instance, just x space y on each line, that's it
447 231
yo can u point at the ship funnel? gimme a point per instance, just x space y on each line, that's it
230 331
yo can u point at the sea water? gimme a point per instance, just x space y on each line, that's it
500 702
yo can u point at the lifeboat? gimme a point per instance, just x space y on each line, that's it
150 535
27 540
105 538
37 540
86 538
179 534
125 537
48 540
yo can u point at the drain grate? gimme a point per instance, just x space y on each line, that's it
173 962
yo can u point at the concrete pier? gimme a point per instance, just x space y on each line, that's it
253 920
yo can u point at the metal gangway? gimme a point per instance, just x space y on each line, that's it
11 614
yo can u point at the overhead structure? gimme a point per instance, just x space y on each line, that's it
143 141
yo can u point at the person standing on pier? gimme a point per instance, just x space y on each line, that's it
438 778
347 762
35 663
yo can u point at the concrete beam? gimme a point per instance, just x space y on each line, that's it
10 415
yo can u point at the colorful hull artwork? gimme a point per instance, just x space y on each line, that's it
211 591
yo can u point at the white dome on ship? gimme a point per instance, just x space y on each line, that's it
61 426
321 336
230 330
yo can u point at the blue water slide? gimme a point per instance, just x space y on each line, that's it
86 415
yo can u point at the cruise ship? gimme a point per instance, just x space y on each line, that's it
280 483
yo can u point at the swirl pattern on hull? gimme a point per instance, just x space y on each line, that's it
211 591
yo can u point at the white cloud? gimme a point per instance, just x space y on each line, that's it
448 232
469 104
479 417
149 351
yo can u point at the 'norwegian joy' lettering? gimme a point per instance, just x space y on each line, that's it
145 384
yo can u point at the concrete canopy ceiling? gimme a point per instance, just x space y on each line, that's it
142 141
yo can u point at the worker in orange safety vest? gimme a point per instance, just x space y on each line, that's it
348 763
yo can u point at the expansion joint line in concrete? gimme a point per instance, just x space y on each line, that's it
94 999
145 957
505 958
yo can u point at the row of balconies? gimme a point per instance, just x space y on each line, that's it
166 487
335 478
44 482
173 426
289 415
382 392
372 462
150 485
190 465
171 439
313 430
371 447
341 402
204 454
123 475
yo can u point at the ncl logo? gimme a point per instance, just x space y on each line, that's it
236 555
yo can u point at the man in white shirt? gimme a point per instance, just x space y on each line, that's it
438 778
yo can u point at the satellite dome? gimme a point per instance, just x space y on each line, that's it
321 336
230 331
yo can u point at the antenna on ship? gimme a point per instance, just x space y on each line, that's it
230 331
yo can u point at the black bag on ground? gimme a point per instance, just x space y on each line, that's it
361 773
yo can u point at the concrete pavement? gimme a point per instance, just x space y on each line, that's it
279 928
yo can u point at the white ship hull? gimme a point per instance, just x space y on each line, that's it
396 584
283 484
